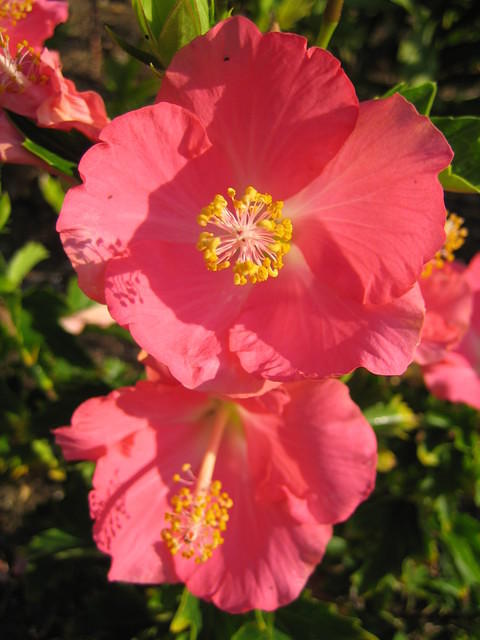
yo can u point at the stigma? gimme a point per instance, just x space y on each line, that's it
251 236
15 10
455 234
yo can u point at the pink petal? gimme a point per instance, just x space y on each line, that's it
38 24
66 108
141 181
322 449
11 149
455 378
297 326
375 215
279 112
100 423
448 302
141 437
174 308
473 273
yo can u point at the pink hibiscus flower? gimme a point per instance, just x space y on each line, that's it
258 213
456 376
31 80
234 498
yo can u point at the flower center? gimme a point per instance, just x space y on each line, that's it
252 235
199 516
15 10
20 69
455 234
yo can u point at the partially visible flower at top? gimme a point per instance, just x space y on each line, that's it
258 213
234 498
456 375
31 79
31 20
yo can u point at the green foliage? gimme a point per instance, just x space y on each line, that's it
188 616
170 24
422 95
61 150
52 190
463 134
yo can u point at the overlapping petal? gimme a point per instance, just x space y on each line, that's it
448 301
153 191
278 111
299 326
375 215
456 377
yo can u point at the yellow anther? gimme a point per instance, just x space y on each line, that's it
253 238
196 520
15 10
455 234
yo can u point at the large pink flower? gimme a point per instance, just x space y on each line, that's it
31 79
456 376
202 274
235 499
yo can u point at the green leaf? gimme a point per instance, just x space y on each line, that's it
463 134
392 418
451 182
23 262
187 616
290 12
143 56
422 95
251 631
52 541
52 159
70 145
52 191
5 209
170 24
311 619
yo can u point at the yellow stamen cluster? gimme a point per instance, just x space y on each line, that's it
16 71
256 235
15 10
197 520
455 234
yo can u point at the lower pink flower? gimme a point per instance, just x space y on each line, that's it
234 498
456 376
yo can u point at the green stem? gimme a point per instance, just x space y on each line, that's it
330 20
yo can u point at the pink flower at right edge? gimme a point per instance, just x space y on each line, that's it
31 79
291 463
456 375
359 185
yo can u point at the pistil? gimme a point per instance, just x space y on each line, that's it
252 235
199 517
